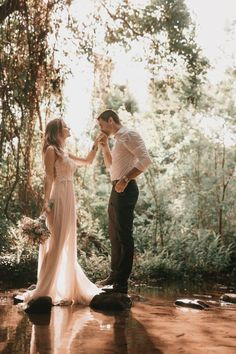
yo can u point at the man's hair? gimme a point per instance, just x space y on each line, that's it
109 113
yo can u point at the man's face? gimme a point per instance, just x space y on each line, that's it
105 127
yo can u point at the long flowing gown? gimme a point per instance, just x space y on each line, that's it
59 274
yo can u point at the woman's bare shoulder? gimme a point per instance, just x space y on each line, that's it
50 152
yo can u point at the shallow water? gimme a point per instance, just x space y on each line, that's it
154 325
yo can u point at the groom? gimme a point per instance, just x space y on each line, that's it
127 159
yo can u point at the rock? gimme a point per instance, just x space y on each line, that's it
194 304
42 304
137 297
203 296
223 287
213 302
18 299
111 302
202 303
229 298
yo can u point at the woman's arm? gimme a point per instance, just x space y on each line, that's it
49 162
90 157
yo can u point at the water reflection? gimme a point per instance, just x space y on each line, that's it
81 330
77 329
74 329
58 336
15 332
130 336
170 290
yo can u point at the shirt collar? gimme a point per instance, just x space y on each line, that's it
119 132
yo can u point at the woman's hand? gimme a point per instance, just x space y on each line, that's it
47 207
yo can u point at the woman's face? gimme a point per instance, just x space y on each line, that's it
65 131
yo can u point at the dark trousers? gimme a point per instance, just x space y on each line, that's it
121 216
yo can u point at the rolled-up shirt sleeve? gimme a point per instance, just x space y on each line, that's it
135 144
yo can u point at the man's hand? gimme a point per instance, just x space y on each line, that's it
98 141
102 139
120 185
103 142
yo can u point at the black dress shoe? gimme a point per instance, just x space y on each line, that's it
122 289
108 281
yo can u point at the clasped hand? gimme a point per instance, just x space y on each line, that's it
102 139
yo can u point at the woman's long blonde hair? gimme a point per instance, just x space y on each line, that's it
52 132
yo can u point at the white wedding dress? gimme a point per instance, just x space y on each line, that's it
59 274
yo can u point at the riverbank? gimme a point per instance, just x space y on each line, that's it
154 325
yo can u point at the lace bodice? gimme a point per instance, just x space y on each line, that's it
65 168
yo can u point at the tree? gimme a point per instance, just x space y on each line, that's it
120 97
166 37
29 79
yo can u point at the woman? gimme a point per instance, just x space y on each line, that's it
59 274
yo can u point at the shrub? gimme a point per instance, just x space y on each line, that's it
201 254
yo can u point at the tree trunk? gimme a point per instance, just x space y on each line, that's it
8 7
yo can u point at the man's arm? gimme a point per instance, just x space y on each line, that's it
135 172
106 151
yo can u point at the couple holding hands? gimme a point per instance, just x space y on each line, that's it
59 274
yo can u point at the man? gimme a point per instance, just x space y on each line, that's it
127 160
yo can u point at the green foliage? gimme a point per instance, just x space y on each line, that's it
4 225
17 274
96 266
185 217
185 255
18 260
119 97
166 37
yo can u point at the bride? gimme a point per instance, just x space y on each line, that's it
59 274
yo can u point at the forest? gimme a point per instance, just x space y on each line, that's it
185 223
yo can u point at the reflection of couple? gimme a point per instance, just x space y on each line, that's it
72 329
59 274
